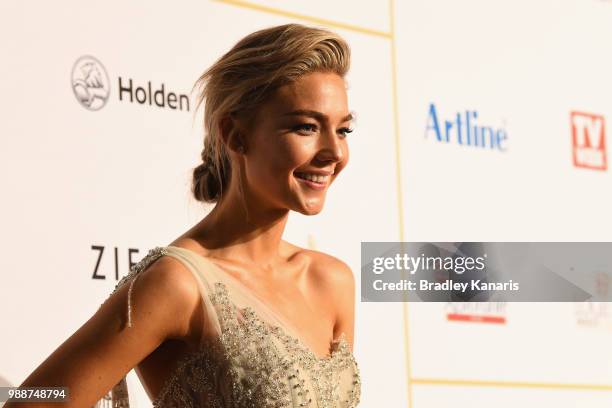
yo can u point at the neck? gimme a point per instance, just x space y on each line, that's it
245 230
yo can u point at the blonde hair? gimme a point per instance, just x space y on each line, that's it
244 77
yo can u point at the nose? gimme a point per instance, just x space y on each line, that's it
330 147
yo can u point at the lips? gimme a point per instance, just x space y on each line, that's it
314 177
312 180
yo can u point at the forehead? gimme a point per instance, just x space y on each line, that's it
323 92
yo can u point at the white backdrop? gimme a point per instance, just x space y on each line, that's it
113 178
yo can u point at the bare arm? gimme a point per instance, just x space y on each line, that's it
103 350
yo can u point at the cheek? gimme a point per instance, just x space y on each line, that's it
286 154
276 161
298 150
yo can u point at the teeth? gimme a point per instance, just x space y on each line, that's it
313 177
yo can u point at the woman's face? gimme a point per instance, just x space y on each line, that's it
298 144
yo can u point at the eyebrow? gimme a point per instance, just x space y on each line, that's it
318 115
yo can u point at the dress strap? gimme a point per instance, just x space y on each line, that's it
134 273
204 282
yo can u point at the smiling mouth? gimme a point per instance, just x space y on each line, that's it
314 181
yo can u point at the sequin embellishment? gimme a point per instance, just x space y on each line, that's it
254 364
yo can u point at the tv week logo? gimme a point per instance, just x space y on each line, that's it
589 140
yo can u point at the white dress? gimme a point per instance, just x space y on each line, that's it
250 357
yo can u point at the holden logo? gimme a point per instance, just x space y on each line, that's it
90 83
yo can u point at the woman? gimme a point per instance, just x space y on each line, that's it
229 314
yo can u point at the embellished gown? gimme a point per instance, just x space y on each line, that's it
249 357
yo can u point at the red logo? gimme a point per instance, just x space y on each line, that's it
476 312
589 140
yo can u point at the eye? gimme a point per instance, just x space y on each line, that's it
345 131
305 128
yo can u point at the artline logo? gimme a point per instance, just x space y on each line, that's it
91 86
589 140
464 130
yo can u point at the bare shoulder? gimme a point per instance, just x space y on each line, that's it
327 269
332 268
335 281
169 280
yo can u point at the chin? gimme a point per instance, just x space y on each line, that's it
313 209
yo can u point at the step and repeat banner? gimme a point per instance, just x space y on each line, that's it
476 121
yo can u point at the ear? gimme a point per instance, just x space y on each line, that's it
231 134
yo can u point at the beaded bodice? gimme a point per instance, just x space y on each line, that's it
252 359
